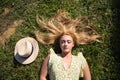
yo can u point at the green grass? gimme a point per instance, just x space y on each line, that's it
102 57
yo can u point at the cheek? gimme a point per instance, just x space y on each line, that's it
61 45
72 45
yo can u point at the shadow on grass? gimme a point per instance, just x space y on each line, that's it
115 38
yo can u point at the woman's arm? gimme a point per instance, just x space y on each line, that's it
44 68
86 73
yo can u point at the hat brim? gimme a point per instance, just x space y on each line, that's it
33 55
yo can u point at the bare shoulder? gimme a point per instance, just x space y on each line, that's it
46 59
45 62
48 56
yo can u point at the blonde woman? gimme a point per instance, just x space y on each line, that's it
66 33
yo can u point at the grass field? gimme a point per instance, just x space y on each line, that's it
103 58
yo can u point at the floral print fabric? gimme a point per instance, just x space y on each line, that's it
57 70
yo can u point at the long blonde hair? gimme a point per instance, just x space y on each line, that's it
60 24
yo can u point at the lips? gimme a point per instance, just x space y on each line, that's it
65 48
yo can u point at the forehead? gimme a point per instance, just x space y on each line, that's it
66 37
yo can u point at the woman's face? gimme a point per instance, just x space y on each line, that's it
66 43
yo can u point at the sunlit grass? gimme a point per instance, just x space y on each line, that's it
98 55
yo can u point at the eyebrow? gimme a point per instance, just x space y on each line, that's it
66 40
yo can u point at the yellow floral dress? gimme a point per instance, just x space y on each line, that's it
57 70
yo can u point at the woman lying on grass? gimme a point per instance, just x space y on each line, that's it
65 33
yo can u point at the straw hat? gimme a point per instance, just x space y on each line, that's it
26 50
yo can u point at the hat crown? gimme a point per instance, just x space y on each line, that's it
25 49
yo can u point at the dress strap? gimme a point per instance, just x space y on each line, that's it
80 54
84 62
53 57
52 51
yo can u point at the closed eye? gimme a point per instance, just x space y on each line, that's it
69 41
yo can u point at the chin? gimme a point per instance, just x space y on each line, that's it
66 51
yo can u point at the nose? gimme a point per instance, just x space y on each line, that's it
65 43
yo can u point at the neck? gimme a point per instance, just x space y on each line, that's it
66 54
